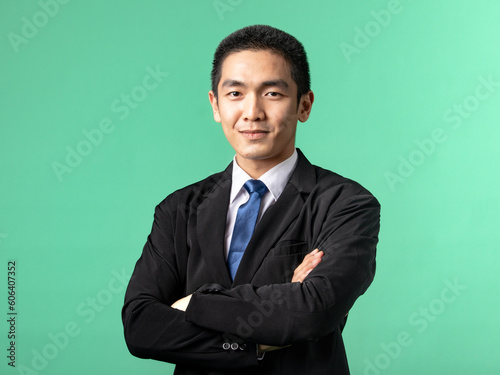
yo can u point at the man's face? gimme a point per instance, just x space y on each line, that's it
257 108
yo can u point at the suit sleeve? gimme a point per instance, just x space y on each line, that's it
284 314
155 330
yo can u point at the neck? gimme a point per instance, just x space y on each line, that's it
255 168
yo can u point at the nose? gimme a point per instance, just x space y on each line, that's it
253 109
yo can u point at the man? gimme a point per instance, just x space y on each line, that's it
227 282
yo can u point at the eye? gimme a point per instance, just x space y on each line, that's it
273 94
234 94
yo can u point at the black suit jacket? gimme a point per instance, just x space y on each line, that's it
225 320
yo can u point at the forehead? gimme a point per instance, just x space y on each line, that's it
258 65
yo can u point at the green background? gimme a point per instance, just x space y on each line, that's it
75 237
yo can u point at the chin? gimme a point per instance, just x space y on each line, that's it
255 154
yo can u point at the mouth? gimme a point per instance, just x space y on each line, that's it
254 134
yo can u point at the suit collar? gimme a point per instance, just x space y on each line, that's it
304 176
211 226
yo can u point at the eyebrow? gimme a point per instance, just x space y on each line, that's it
271 83
276 83
232 83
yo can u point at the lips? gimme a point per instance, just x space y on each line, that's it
254 134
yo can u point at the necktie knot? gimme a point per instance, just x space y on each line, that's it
255 186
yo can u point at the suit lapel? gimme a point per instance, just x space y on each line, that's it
277 219
211 226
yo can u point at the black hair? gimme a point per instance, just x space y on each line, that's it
263 37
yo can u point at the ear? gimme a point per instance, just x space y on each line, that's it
215 105
305 106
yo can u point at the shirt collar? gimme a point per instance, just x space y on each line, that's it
275 179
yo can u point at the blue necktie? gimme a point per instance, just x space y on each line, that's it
245 224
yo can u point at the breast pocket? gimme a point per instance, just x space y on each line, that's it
280 262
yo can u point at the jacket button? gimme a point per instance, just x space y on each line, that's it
243 346
234 346
226 346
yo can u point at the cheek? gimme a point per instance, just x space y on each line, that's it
285 119
230 134
287 111
229 118
227 131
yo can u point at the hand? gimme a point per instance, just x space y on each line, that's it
310 261
182 304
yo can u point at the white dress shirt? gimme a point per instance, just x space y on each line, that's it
275 179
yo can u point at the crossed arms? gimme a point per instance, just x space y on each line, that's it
310 261
309 307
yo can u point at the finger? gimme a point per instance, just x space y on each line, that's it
317 253
304 269
311 254
307 259
310 257
304 264
301 274
302 277
310 261
313 264
314 260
